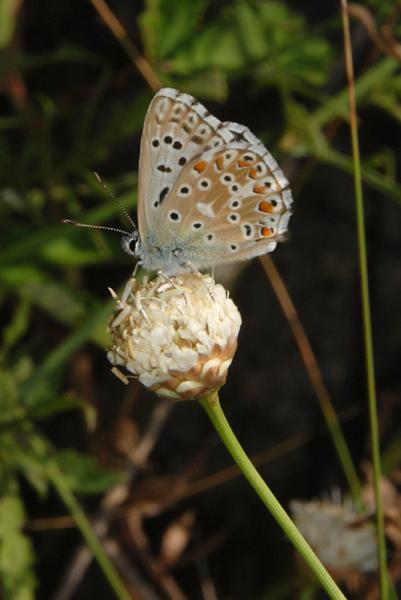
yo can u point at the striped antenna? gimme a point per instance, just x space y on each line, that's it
104 227
114 197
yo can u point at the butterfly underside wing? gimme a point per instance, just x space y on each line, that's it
209 191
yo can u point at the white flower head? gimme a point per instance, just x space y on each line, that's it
342 537
177 335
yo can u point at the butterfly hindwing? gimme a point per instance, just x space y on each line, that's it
230 205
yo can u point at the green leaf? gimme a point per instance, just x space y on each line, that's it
211 84
83 474
63 252
8 392
167 26
66 306
227 55
251 33
16 327
295 53
17 579
7 21
33 469
303 136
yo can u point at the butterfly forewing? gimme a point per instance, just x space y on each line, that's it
208 190
177 129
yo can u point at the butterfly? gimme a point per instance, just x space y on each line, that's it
209 192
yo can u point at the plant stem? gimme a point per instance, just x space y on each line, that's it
58 480
212 407
363 268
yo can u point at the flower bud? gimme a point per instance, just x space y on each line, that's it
176 335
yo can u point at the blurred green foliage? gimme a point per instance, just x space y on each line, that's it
55 130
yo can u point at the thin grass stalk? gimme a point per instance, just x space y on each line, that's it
213 409
367 327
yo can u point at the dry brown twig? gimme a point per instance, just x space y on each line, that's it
383 39
122 36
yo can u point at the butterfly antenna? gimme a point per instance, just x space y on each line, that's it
114 197
104 227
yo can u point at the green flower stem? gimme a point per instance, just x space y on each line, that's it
212 407
58 480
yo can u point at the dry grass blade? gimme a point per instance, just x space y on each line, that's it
122 36
314 373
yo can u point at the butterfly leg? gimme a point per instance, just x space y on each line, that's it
120 375
166 277
138 264
191 267
196 272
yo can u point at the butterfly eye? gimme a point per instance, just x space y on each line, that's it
130 243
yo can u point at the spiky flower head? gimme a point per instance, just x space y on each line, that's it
176 335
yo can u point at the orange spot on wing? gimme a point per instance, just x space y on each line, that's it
201 166
259 189
265 206
220 162
242 163
253 172
266 231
